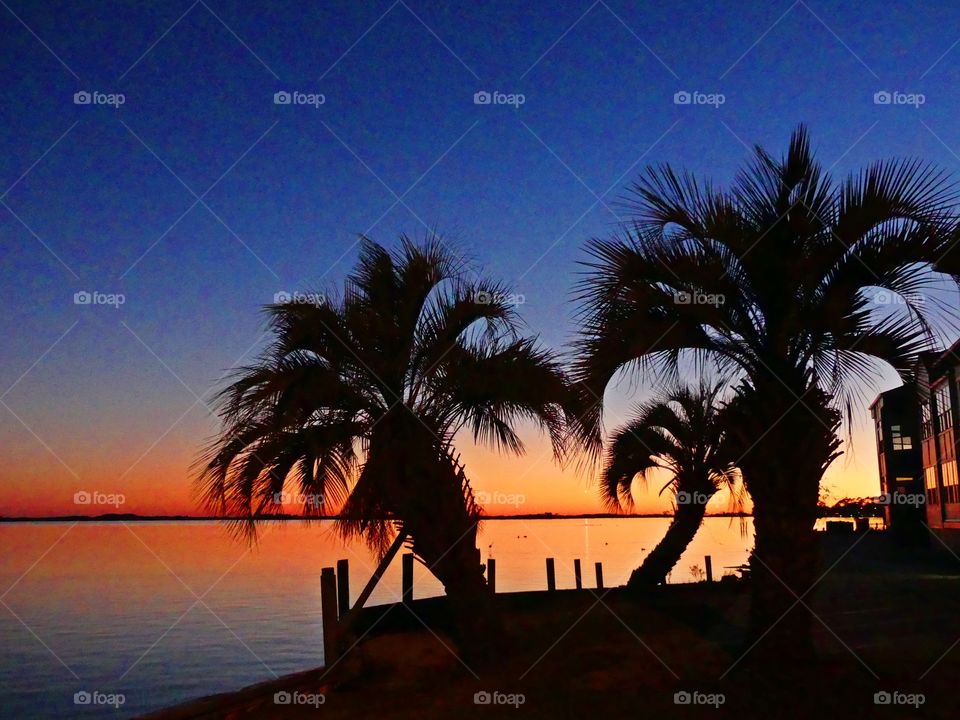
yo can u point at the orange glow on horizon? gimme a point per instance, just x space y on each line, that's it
160 483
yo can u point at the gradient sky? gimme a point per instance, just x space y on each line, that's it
199 198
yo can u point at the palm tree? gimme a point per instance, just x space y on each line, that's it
683 433
357 402
775 280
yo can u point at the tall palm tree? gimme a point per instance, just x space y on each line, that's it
775 279
357 402
683 433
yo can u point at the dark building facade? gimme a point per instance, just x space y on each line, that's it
896 420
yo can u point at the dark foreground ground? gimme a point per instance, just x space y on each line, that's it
886 623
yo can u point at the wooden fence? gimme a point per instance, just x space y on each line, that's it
338 616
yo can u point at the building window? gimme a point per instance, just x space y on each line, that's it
926 424
900 441
947 450
941 397
930 481
951 488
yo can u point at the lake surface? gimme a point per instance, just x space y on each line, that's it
166 612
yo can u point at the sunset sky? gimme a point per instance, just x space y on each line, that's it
198 198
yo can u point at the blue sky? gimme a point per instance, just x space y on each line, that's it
199 198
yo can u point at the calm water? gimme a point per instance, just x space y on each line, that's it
166 612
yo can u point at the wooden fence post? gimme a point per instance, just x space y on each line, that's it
328 614
551 575
578 578
599 567
347 621
407 578
492 575
343 587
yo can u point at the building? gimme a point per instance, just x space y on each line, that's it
917 448
937 395
896 419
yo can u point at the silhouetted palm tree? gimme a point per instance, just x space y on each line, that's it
776 280
357 402
683 433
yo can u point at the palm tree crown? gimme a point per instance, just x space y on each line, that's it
682 432
776 278
353 387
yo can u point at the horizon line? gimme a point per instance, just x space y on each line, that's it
120 517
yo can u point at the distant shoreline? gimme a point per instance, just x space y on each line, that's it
124 517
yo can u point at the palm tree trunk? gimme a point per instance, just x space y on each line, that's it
787 445
476 625
437 510
449 551
783 570
658 564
